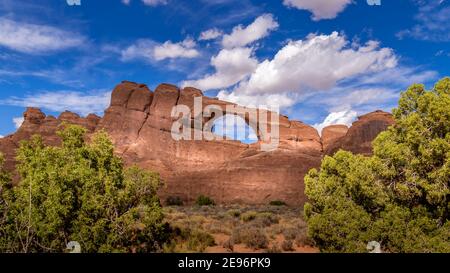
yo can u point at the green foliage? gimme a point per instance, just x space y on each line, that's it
266 219
204 201
174 201
249 216
400 195
198 241
277 203
4 176
80 192
234 213
186 239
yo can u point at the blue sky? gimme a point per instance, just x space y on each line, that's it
322 61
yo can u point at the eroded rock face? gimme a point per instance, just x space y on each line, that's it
360 135
139 122
37 123
332 134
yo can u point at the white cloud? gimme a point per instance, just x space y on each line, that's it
321 9
1 136
210 34
316 63
18 122
152 51
169 50
152 3
432 22
355 98
231 65
241 36
60 101
266 101
36 39
342 118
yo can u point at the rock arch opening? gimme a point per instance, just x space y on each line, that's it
234 127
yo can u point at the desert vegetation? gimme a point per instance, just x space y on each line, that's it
79 192
400 196
237 228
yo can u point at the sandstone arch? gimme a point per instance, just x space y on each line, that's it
139 123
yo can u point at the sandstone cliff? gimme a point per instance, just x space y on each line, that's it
139 122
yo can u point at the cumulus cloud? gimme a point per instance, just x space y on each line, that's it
18 122
337 118
320 9
60 101
236 60
267 101
242 36
169 50
36 39
210 34
231 65
150 50
316 63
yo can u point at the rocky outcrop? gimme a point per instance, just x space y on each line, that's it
332 134
360 135
37 123
139 122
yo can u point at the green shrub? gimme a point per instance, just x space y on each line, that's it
199 240
277 203
399 196
250 236
266 219
249 216
174 201
79 192
234 213
204 201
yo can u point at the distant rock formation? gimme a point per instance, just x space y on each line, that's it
139 122
358 139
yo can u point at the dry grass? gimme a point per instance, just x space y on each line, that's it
237 229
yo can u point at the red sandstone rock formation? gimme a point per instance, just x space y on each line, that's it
360 135
331 134
37 123
139 122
